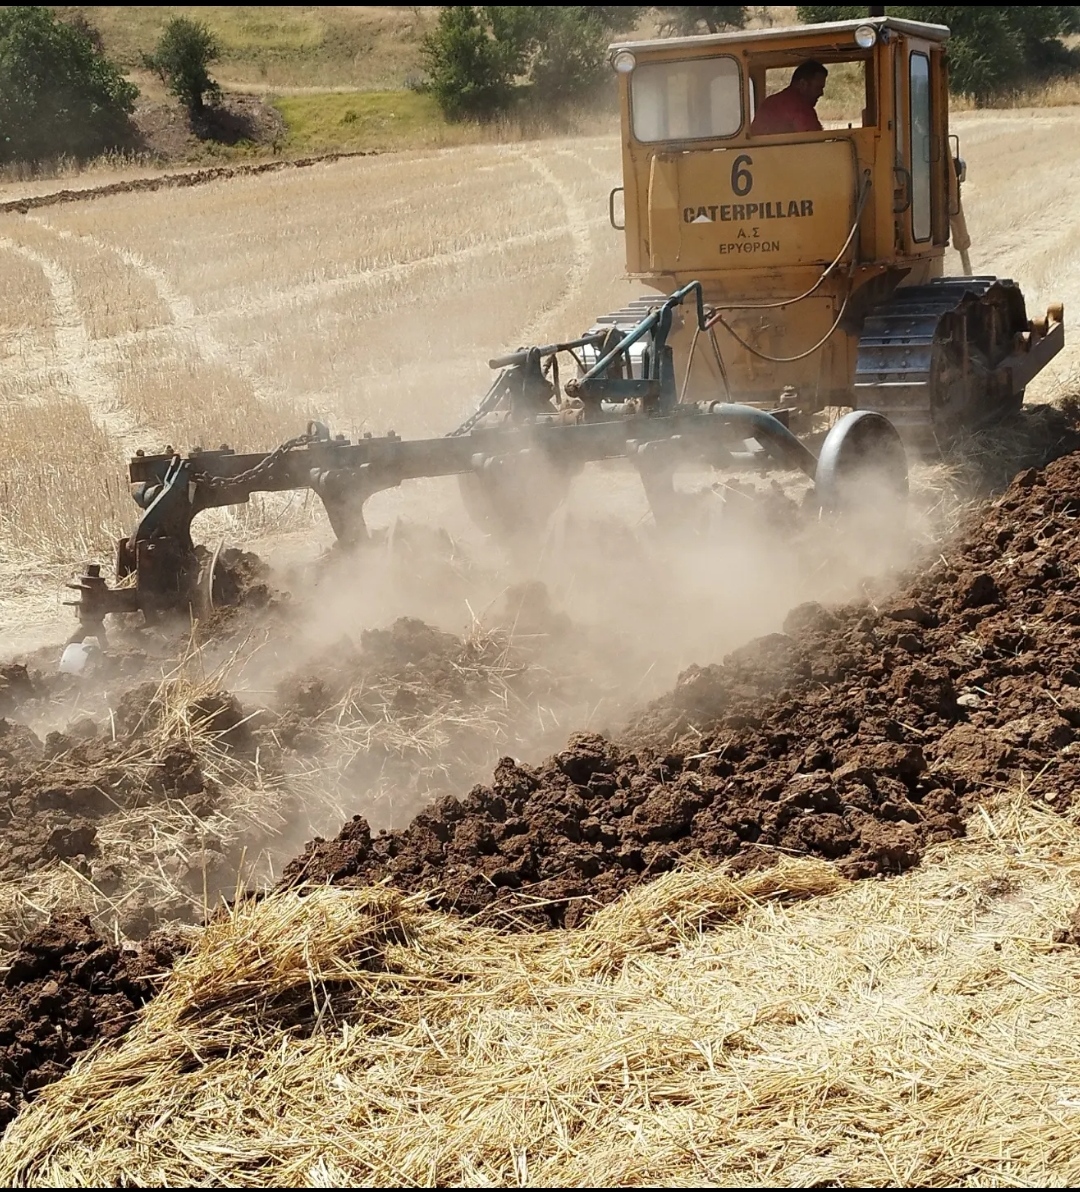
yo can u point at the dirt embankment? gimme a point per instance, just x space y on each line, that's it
169 181
860 734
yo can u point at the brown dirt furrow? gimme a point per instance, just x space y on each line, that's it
172 181
860 734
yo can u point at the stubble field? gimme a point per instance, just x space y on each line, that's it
366 293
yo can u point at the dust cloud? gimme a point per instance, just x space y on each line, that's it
749 551
569 627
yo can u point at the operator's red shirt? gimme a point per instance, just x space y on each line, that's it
786 111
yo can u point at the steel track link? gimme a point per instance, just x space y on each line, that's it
894 372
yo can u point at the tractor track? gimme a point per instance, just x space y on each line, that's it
76 357
309 293
186 323
580 221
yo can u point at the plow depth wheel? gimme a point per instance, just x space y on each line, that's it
862 467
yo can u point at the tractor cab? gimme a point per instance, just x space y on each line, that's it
713 193
805 177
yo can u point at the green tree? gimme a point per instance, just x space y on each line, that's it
993 47
689 19
480 58
182 59
470 66
568 49
58 95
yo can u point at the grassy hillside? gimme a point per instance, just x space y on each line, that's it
322 122
363 47
338 75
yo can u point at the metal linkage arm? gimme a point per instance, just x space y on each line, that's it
657 320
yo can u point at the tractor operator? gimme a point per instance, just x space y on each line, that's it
792 110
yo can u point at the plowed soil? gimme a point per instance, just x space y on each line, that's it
860 734
55 794
65 989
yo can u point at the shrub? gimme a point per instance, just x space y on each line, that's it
479 58
182 60
59 96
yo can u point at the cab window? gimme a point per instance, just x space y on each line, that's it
921 148
691 100
849 100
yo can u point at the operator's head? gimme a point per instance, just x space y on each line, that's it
809 81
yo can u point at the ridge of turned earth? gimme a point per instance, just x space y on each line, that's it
860 734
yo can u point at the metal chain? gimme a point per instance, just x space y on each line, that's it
260 469
490 402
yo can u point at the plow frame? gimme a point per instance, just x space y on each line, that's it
624 406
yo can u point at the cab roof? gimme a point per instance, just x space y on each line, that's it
788 33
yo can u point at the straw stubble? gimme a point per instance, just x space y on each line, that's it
783 1028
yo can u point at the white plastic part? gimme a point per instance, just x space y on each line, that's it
624 62
76 655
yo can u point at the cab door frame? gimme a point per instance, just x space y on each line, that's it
920 104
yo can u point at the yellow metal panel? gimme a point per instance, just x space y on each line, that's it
664 209
751 206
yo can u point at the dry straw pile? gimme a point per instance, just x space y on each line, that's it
155 843
779 1029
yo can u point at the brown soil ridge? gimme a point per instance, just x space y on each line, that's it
861 734
180 179
65 989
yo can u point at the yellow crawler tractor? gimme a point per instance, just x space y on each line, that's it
821 250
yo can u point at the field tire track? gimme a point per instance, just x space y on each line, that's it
608 177
187 323
317 291
185 319
21 345
77 357
545 324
